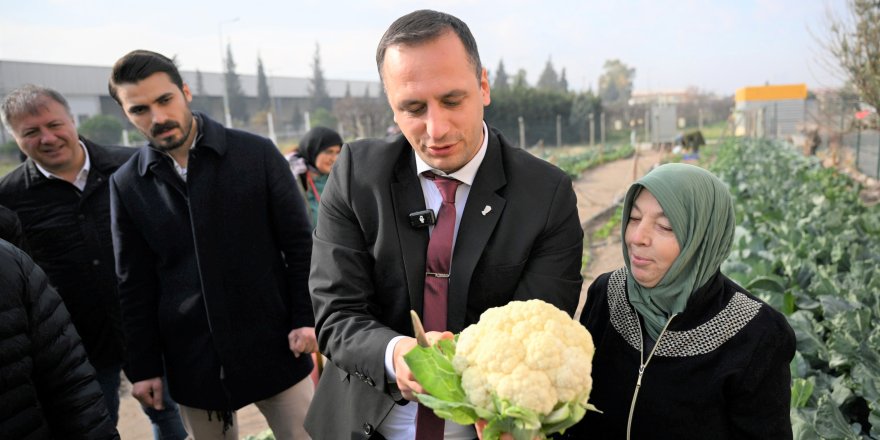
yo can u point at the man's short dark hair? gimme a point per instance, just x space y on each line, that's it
423 26
137 66
27 100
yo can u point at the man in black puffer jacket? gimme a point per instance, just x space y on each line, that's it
47 386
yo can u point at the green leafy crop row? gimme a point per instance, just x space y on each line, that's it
808 246
575 164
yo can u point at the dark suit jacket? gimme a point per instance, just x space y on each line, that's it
212 271
368 264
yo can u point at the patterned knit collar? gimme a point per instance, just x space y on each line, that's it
702 339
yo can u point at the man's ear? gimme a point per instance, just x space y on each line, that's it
484 87
186 93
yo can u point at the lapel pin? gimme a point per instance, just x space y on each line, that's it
486 210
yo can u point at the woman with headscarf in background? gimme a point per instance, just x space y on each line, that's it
311 165
683 352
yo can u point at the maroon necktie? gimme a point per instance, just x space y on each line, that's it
437 262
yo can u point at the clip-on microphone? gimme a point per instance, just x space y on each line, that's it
422 219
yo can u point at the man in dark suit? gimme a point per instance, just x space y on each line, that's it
517 235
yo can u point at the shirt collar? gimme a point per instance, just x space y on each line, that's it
468 172
81 176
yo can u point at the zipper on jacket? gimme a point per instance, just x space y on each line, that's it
642 366
192 227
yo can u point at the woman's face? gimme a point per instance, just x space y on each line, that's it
326 158
650 241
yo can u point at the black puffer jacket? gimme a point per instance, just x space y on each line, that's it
47 386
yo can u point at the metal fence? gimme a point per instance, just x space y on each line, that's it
825 125
864 146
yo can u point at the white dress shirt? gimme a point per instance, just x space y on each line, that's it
81 177
401 421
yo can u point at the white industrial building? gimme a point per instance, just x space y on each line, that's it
85 88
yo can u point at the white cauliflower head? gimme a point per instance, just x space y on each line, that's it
527 352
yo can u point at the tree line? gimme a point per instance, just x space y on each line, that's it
544 107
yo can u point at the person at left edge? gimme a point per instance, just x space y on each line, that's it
47 386
60 195
212 250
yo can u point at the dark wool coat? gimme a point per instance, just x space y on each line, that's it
47 386
67 232
213 271
719 372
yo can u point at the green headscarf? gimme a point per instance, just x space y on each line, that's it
700 209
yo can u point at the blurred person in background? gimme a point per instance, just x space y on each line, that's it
311 164
60 195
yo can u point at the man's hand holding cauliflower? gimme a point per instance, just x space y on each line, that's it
524 368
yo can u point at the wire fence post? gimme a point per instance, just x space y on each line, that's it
877 151
859 147
776 120
522 132
592 131
559 130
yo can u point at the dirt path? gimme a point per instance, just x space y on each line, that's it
597 191
134 424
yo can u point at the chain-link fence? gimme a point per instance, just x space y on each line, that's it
864 146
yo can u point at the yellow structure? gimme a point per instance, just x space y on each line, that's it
776 111
771 93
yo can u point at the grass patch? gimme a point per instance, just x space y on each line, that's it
613 222
7 164
600 234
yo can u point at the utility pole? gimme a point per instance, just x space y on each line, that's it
592 131
227 116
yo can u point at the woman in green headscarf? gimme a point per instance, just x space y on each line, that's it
683 352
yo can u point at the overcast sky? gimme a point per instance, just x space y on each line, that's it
717 45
